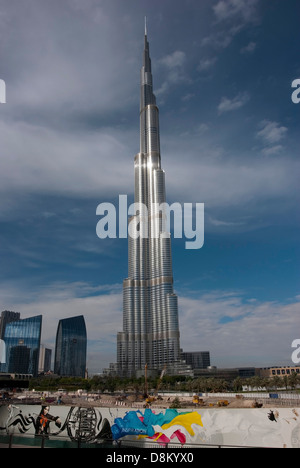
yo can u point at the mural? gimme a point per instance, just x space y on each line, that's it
42 423
161 427
260 427
80 424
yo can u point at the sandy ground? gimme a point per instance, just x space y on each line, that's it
132 401
185 402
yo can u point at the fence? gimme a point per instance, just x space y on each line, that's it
21 441
284 396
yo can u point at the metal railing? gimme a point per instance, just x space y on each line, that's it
15 440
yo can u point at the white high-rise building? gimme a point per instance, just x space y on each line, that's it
150 333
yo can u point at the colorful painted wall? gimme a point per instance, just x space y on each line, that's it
261 427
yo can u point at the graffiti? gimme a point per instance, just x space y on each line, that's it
117 427
42 423
272 416
87 424
81 424
23 423
84 424
161 427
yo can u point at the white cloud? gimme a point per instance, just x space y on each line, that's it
238 332
77 165
202 128
271 132
206 64
220 39
174 60
176 73
188 97
272 150
219 222
232 16
245 10
40 160
248 49
227 105
228 186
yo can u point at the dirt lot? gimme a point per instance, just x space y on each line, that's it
182 402
132 401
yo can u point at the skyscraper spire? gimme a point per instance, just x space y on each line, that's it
150 312
145 25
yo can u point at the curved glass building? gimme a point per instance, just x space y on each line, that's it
150 333
22 340
70 347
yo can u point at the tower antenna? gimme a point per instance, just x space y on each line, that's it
145 25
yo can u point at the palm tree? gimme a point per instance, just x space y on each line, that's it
237 384
256 382
277 382
293 380
285 381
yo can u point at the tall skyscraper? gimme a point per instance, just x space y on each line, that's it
45 359
22 339
6 317
70 347
150 333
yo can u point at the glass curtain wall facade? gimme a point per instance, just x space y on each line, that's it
70 348
150 333
6 317
197 359
22 341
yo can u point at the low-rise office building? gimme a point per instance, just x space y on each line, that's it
278 371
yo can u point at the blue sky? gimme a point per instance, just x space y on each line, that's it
69 131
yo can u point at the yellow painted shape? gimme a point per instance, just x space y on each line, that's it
186 420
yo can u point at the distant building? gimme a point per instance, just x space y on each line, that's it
7 316
22 340
278 371
70 347
226 374
197 359
112 370
45 359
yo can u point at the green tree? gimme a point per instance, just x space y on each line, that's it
276 382
237 384
175 403
293 380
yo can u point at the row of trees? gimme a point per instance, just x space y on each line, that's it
203 384
169 383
